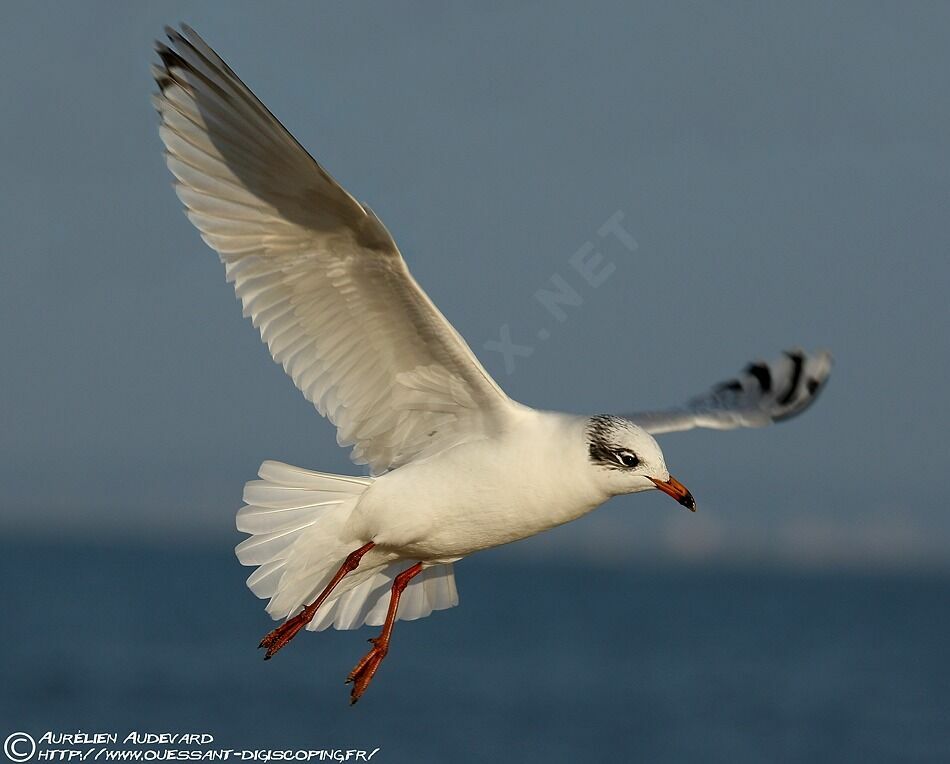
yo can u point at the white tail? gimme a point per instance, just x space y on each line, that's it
296 519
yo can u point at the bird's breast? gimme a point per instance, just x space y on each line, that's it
470 498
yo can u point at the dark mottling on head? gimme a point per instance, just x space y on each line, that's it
601 438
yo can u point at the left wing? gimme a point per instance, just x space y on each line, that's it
762 394
318 273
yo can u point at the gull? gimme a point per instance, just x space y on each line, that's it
455 465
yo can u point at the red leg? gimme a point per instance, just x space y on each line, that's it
289 628
365 670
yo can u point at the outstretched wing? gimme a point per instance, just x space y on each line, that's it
317 271
762 394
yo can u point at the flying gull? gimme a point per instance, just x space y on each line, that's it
455 465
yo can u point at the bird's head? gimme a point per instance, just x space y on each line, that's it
628 459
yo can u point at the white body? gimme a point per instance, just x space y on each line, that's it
533 474
485 493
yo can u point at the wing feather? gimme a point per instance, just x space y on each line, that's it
316 271
764 393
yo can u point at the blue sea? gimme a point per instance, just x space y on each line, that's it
541 662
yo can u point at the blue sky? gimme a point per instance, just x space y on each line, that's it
784 171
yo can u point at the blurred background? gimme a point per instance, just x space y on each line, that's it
783 171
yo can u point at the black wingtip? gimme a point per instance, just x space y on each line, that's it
169 56
797 357
762 374
733 385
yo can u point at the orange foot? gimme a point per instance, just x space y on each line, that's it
365 670
285 632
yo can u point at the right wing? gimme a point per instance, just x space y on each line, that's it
762 394
317 272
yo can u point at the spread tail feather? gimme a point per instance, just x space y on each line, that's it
368 599
296 518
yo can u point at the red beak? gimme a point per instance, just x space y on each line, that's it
678 491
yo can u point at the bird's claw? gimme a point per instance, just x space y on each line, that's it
364 671
280 636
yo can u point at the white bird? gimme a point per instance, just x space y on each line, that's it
455 465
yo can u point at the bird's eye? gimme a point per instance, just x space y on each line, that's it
628 459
